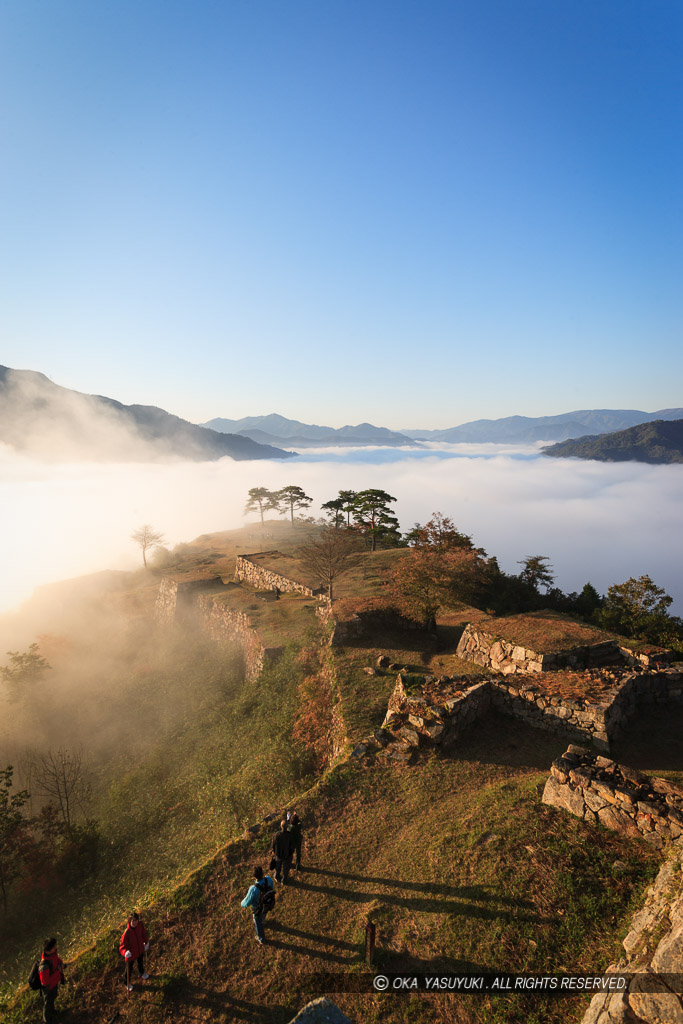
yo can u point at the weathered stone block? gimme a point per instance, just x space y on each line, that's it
563 796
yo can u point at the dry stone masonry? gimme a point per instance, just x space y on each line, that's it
261 578
225 625
654 952
506 657
424 711
597 789
178 599
503 656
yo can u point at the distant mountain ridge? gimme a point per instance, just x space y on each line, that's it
40 418
659 442
516 429
276 428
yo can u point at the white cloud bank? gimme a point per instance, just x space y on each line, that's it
598 521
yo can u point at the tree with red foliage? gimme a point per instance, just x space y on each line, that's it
427 579
439 534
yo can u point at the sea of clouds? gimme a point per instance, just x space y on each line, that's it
596 521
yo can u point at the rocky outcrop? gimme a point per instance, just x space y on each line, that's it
320 1011
262 578
597 789
654 956
501 655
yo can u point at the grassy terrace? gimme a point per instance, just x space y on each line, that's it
274 622
545 632
364 697
455 860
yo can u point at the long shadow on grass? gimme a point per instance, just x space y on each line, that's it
188 994
397 963
325 939
468 892
316 954
439 906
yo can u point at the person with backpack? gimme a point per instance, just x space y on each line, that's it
133 946
261 899
283 848
51 973
294 825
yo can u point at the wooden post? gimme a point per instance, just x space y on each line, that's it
369 942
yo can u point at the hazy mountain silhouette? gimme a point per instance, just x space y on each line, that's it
276 428
513 429
40 418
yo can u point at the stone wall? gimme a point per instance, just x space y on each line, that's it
594 720
164 607
414 720
178 599
224 625
501 655
596 789
260 578
628 801
654 950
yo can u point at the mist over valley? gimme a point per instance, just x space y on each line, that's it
596 521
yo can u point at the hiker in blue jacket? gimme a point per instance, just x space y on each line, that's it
261 899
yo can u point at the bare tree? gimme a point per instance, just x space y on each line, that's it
63 776
147 537
329 555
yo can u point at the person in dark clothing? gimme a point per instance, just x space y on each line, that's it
51 976
282 851
255 900
294 825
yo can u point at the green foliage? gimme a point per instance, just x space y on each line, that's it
536 572
292 498
373 516
24 669
261 500
13 831
637 607
658 442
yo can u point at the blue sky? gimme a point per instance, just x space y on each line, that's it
413 213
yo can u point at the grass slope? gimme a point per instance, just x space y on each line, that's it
454 859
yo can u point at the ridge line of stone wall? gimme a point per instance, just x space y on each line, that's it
266 579
223 625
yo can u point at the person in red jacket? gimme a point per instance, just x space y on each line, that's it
51 975
134 945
